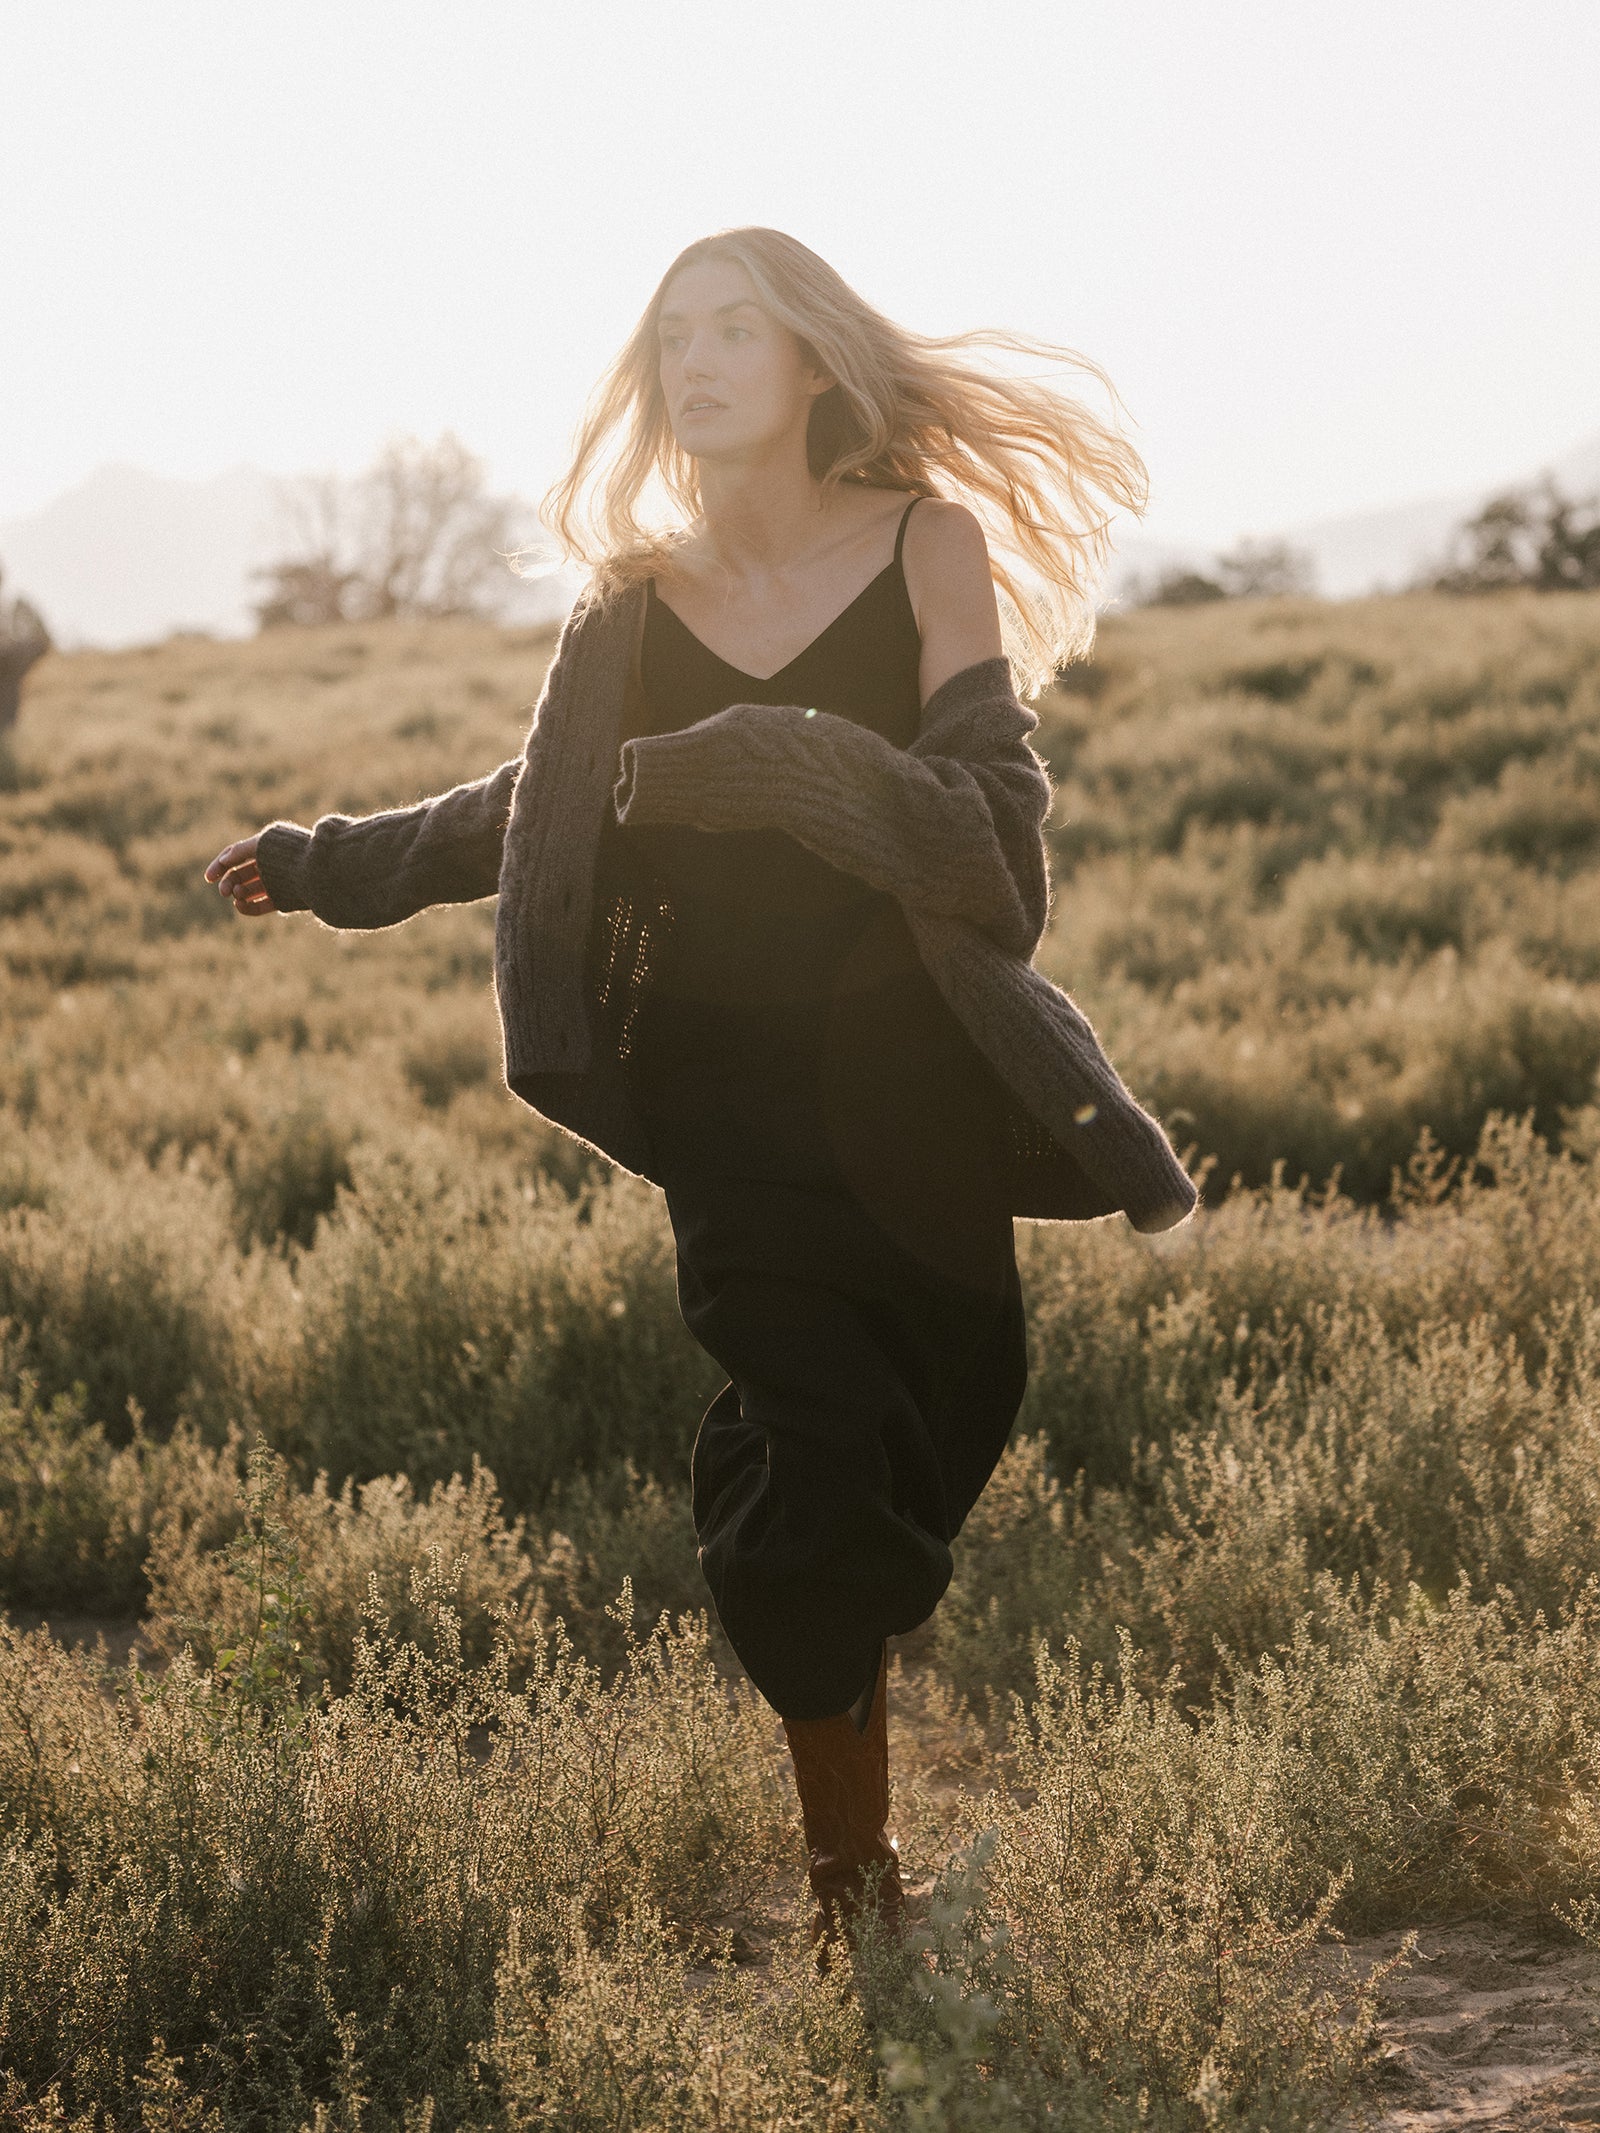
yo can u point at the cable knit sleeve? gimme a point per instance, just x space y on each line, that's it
375 870
365 871
951 825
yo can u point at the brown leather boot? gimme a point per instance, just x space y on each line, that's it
842 1775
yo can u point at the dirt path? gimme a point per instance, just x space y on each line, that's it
1491 2026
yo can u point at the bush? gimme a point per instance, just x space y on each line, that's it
438 1069
77 1517
360 1556
288 1903
420 1821
288 1176
117 1294
440 1319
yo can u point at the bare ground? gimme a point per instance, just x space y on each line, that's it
1489 2025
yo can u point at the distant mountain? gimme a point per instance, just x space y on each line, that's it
1383 550
1367 551
129 557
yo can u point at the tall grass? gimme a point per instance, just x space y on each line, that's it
1323 872
431 1797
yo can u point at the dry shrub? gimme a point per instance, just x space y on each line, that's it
1428 1424
604 1530
244 1877
527 1905
1131 1340
445 1062
120 1292
78 1516
442 1316
288 1176
377 1552
361 1555
1316 919
1329 1462
301 1900
622 2037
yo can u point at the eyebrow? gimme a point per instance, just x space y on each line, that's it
745 303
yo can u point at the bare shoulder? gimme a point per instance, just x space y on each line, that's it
946 557
939 526
952 593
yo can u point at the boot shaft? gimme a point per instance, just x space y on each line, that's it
842 1776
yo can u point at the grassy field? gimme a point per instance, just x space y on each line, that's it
366 1396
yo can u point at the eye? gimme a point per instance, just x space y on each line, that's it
739 329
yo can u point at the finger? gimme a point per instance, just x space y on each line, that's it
246 876
224 859
243 849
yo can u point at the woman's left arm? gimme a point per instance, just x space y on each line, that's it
946 561
951 825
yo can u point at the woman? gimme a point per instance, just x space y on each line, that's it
771 875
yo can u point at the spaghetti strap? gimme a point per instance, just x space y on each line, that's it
899 539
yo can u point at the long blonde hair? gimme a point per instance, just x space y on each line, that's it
906 411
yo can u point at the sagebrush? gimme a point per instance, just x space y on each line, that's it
429 1796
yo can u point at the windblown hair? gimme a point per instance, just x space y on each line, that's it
906 411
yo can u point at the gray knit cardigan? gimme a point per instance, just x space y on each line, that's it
951 827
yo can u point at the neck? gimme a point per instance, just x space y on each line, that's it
762 517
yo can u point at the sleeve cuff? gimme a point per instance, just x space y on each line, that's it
716 773
660 781
283 854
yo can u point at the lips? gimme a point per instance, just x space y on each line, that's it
702 407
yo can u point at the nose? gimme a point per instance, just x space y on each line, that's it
694 362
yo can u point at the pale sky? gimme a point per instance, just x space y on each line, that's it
1335 256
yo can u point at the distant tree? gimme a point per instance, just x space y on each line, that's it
1495 549
1569 550
1179 588
1266 570
24 640
1534 537
318 578
417 534
1251 570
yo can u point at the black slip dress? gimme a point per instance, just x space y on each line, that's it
834 1159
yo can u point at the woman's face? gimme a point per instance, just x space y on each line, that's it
735 379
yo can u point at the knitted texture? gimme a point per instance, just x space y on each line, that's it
374 870
951 827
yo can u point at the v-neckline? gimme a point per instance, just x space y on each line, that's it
761 680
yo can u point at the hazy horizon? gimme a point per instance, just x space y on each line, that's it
128 557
